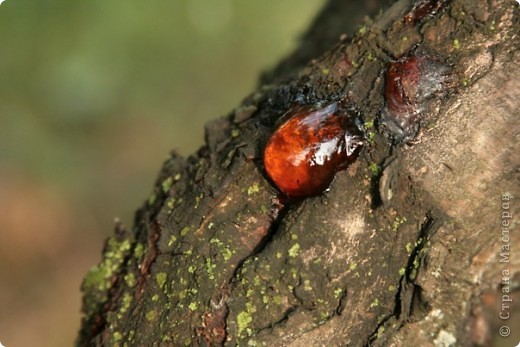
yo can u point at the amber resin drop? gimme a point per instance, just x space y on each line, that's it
304 153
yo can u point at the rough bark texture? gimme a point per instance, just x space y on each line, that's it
404 249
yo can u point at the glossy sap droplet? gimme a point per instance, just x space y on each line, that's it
304 153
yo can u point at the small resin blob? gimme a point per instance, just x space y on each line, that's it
409 83
304 153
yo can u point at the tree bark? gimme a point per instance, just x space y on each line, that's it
413 244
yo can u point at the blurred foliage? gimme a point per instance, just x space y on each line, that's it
93 96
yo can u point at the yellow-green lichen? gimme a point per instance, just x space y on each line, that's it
227 254
253 189
338 292
456 44
371 136
126 301
402 271
184 231
167 184
353 266
413 274
160 279
155 298
193 306
277 299
150 315
380 330
130 279
198 199
374 168
398 222
98 280
172 240
249 292
116 337
244 318
374 303
210 267
294 250
138 251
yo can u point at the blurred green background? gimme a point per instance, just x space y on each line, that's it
93 96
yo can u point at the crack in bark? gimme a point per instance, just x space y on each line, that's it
341 302
408 293
285 317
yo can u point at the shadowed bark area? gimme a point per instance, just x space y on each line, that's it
409 245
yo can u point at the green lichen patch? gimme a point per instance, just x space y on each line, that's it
398 222
374 303
210 269
138 251
245 318
161 278
150 315
235 133
374 168
222 249
184 231
116 337
125 302
294 250
193 306
253 189
167 184
456 44
98 280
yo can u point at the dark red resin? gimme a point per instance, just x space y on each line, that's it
423 8
408 83
304 153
